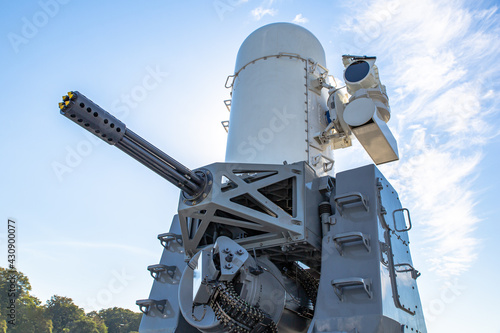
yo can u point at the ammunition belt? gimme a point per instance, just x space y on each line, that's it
308 282
236 315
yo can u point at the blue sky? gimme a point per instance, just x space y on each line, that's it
88 215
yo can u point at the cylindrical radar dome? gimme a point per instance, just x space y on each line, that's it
276 107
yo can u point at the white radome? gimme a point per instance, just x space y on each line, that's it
275 110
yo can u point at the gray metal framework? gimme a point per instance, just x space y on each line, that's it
260 206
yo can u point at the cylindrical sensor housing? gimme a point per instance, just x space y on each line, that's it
278 103
359 75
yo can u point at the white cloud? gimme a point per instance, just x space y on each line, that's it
438 59
260 12
300 19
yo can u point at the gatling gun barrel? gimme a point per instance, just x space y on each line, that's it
82 111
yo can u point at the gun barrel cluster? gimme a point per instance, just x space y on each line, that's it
82 111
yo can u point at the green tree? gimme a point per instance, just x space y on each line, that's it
101 326
30 317
29 314
12 281
62 311
59 315
3 322
84 325
119 320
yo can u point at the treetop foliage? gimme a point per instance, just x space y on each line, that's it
59 315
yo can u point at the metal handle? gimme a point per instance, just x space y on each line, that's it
172 275
350 199
163 306
227 103
414 273
409 219
225 124
227 80
340 284
171 242
350 238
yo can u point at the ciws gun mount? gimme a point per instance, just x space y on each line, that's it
260 245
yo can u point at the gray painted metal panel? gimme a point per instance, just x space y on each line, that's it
356 311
